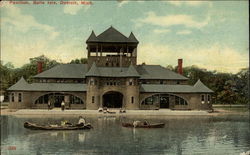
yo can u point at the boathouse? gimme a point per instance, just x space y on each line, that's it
111 78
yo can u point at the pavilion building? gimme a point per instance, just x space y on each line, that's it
111 78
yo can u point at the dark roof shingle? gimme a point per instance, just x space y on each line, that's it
111 35
22 85
158 72
65 71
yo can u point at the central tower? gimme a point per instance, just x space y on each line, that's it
112 49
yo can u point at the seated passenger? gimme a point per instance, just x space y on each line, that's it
137 123
81 121
100 109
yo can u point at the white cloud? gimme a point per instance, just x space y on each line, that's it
184 32
171 20
190 3
223 59
74 9
122 2
160 31
176 3
23 23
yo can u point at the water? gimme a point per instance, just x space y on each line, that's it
181 135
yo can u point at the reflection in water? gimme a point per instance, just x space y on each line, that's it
181 135
81 137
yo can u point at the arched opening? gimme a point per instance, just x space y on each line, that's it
112 99
57 98
164 101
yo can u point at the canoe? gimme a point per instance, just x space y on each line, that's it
33 126
155 125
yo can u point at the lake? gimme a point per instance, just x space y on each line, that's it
181 135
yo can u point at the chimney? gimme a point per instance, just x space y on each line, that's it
39 66
180 71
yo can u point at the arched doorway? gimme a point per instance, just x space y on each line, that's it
112 99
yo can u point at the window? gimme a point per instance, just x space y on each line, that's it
202 99
130 82
208 98
12 97
19 97
178 82
180 101
93 99
161 82
132 99
92 82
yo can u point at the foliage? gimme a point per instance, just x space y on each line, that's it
79 61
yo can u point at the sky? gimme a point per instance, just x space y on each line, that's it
211 35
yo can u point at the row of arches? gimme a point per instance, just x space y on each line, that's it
112 99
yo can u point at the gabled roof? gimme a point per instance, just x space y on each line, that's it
65 71
161 88
132 38
131 72
19 85
111 35
93 71
200 87
158 72
22 85
92 38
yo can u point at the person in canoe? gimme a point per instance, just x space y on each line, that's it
81 121
137 123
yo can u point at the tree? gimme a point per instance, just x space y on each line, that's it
79 61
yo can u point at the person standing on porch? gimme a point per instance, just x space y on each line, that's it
49 104
63 105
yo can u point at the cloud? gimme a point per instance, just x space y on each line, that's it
122 2
190 3
160 31
74 9
171 20
223 59
184 32
23 23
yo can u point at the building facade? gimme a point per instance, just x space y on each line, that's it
112 79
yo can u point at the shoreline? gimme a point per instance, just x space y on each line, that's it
161 112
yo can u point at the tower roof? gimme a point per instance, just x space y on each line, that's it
131 72
92 38
94 71
19 85
200 87
111 35
132 38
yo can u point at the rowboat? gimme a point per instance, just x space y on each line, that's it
33 126
155 125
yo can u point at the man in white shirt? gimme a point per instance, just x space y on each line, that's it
62 105
81 121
